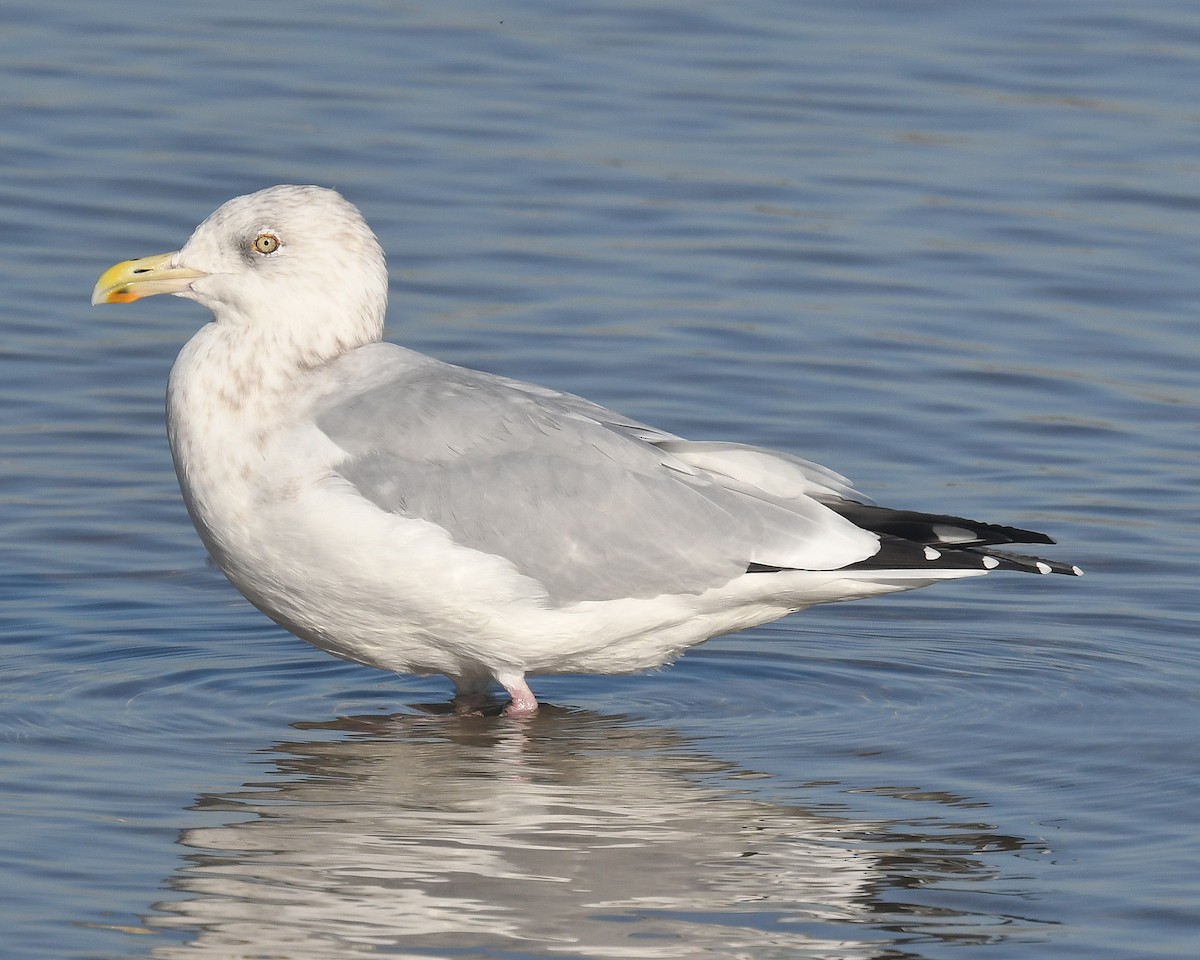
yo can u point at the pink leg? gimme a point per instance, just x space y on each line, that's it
524 703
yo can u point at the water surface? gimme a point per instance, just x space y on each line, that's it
947 249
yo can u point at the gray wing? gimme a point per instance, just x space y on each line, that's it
592 505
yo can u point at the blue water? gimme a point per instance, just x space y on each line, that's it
949 249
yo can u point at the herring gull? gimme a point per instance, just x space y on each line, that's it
426 518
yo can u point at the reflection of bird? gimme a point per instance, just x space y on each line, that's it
578 835
573 835
421 517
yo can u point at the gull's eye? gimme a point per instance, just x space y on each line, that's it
266 243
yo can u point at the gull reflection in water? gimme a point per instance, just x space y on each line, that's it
569 835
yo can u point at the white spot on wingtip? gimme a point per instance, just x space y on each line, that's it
1075 570
949 534
1043 567
991 563
931 554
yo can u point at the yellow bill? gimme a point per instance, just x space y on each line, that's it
131 280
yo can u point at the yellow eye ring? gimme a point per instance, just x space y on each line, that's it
266 243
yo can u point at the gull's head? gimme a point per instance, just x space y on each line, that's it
300 260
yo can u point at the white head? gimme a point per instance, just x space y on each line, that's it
296 263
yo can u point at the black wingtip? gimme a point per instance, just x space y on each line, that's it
909 540
935 529
1025 564
897 554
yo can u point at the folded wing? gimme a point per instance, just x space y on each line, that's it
590 504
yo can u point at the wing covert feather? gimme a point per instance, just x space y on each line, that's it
591 504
